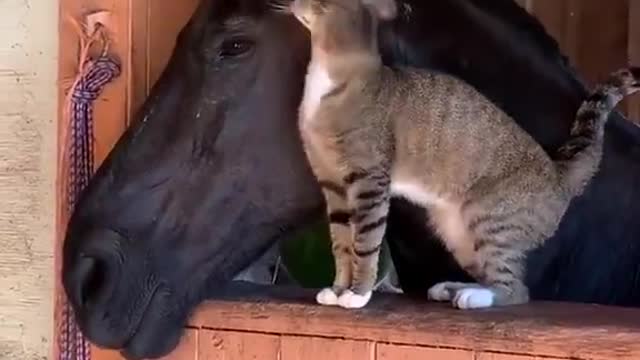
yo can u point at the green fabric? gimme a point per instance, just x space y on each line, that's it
308 259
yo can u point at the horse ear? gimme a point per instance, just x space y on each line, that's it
384 9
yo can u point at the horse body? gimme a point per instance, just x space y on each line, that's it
212 172
594 256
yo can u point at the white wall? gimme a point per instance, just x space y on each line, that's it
28 72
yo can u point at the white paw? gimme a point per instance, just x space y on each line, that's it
327 296
473 298
439 292
351 300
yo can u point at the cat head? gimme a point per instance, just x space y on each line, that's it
309 11
627 79
337 21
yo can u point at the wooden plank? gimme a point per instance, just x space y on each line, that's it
313 348
579 331
573 16
493 356
104 354
399 352
110 110
230 345
138 82
598 37
554 16
166 19
602 42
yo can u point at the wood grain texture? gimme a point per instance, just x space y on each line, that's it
231 345
313 348
602 37
544 329
493 356
28 75
104 354
166 19
139 54
133 44
555 15
398 352
111 109
597 36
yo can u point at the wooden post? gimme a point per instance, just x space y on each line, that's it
142 33
110 109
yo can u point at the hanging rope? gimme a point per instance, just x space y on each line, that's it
77 162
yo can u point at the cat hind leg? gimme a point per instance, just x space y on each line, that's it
463 295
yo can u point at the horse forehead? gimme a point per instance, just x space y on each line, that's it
220 10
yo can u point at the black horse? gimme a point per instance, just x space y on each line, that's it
212 173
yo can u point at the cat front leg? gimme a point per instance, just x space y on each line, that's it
368 197
339 217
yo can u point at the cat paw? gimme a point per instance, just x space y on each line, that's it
327 297
351 300
473 298
439 292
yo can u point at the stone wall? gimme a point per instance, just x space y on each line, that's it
28 115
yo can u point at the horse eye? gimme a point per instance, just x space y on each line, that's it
235 47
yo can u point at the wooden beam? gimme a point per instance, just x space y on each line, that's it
110 111
575 331
139 55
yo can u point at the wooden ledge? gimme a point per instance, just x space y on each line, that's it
552 330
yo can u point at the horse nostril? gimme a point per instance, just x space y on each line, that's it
93 272
92 268
91 279
91 276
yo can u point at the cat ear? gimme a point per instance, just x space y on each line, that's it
384 9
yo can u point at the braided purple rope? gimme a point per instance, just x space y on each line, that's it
98 73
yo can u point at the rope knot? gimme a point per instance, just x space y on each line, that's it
98 74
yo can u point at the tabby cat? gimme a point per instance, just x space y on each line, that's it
370 132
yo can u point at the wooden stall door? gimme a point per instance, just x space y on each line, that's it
597 35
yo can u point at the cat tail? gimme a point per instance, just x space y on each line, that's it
579 158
